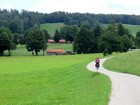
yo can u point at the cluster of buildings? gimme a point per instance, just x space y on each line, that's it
58 51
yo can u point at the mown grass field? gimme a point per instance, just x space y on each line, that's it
51 80
59 80
126 62
51 27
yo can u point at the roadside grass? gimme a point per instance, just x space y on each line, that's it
52 80
126 62
51 27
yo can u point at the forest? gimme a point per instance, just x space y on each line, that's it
20 22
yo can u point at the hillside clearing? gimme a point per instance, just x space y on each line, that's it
51 27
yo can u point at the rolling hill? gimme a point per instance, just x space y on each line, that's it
51 27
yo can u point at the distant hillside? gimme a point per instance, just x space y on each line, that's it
132 28
51 27
20 22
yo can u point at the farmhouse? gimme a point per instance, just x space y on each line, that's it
62 41
51 41
55 51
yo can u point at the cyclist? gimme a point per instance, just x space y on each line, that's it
97 61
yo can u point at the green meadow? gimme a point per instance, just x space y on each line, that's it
59 80
133 28
126 62
51 27
51 80
66 47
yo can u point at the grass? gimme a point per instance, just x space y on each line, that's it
51 80
133 28
52 27
125 62
66 47
22 51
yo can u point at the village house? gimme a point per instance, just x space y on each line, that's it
62 41
51 41
55 51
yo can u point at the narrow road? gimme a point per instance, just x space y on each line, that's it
125 87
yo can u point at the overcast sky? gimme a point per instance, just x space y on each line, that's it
82 6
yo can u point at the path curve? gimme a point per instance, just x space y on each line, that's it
125 87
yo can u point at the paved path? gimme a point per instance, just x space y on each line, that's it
125 87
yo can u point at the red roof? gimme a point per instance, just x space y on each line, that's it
50 41
62 41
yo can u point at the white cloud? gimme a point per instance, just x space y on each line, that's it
91 6
7 6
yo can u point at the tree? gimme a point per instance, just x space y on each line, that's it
137 39
97 33
127 43
109 41
35 41
18 38
6 41
46 34
120 29
84 40
57 36
68 32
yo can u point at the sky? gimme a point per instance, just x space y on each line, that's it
82 6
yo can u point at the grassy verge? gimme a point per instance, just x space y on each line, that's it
126 62
51 80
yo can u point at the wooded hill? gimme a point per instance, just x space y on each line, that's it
20 22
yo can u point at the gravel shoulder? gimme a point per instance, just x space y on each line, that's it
125 87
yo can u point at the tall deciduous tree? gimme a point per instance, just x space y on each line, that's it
109 41
57 36
84 40
120 29
46 34
6 41
35 41
68 32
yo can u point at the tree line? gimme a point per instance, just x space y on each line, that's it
113 38
20 22
83 30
